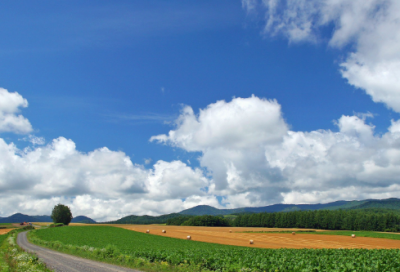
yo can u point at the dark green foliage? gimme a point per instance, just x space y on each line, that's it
217 257
145 219
324 219
28 228
177 221
56 225
207 221
61 214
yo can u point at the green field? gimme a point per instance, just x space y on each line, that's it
121 242
2 238
371 234
6 226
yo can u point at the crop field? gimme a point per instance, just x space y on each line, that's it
241 237
5 228
156 248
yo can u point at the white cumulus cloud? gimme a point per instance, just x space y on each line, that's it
10 120
267 163
371 26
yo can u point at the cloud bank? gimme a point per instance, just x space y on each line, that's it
371 27
249 157
254 159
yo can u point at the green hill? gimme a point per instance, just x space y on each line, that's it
373 205
145 219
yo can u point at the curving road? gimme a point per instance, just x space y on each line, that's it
61 262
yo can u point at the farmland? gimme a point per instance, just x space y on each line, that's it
6 228
126 245
241 237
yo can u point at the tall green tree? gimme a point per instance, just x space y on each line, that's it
61 214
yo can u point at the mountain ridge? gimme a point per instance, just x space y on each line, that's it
19 217
390 203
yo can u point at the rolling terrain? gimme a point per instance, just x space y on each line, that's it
392 204
18 218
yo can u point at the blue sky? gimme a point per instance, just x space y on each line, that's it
114 75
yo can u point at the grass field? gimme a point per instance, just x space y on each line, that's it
7 225
129 245
2 238
372 234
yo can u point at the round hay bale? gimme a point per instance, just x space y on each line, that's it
188 237
147 231
251 242
164 231
353 236
293 233
230 231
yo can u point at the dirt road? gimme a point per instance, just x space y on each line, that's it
61 262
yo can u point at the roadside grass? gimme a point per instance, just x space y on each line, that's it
14 259
157 253
3 264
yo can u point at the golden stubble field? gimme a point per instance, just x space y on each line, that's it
222 235
4 231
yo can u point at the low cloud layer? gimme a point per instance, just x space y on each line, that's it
258 161
249 157
371 27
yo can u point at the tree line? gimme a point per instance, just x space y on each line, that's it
368 220
202 220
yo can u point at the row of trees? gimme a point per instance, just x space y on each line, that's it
203 220
323 219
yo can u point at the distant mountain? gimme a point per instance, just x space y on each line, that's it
83 219
391 203
19 217
207 210
145 219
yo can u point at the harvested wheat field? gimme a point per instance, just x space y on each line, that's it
222 235
4 231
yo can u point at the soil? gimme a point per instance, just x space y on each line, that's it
222 235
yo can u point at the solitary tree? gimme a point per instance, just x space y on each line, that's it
61 214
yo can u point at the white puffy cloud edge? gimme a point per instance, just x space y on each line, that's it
249 157
370 27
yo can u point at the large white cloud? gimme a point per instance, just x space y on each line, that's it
372 26
249 157
102 183
10 121
283 165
